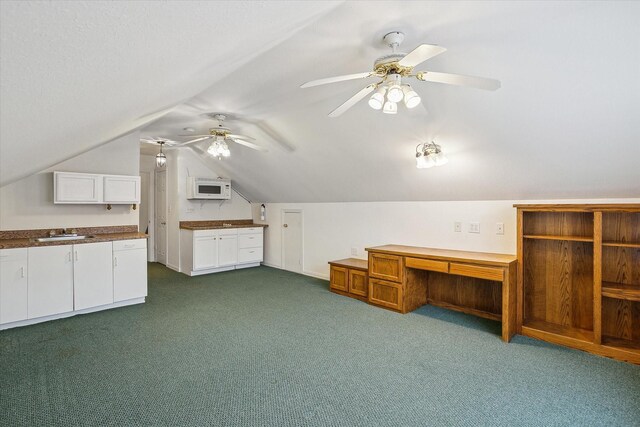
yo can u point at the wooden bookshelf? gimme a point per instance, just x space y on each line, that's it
579 277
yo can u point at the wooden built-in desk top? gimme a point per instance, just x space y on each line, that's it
358 264
502 260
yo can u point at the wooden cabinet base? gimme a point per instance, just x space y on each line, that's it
349 277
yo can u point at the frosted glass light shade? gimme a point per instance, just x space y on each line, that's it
395 93
411 98
390 108
376 101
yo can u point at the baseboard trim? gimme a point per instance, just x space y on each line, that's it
27 322
316 275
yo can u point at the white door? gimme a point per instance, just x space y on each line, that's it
13 285
292 240
205 252
50 272
161 217
227 250
129 269
92 275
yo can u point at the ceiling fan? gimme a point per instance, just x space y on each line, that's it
391 69
220 136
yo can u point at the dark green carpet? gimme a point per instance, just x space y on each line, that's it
267 347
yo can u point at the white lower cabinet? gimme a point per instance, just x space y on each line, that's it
129 269
92 275
13 285
210 251
50 282
227 248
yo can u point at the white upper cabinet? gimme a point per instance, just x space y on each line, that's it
121 189
86 188
70 187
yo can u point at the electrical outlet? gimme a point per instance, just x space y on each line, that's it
457 226
354 251
190 210
499 228
474 227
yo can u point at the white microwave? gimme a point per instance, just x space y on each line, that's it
208 188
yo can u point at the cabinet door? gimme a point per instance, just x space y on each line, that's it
205 252
385 294
227 250
385 266
92 275
121 189
50 280
358 283
13 285
129 274
339 278
77 188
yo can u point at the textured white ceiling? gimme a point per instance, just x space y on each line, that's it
563 125
76 74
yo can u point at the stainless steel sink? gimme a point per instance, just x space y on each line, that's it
62 238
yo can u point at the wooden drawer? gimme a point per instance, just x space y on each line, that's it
387 267
385 294
488 273
358 283
427 264
339 278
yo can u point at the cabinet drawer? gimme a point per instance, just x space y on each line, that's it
488 273
385 294
124 245
427 264
250 230
205 233
249 255
339 278
387 267
228 232
250 241
358 283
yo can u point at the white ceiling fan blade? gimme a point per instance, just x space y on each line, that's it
336 79
248 144
231 135
353 100
459 80
195 135
421 54
193 141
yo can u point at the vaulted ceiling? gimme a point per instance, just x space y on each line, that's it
563 125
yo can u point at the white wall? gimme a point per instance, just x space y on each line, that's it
28 203
330 230
180 165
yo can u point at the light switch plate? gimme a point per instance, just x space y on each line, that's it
354 251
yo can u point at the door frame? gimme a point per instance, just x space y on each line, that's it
151 210
155 213
282 254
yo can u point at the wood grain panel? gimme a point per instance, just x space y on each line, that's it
487 273
621 227
558 283
415 289
339 278
385 294
558 223
621 319
427 264
621 265
465 292
386 267
358 282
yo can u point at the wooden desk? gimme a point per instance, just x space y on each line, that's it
403 278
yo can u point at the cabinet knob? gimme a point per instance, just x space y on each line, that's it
285 225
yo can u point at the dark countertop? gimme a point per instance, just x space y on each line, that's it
26 238
219 224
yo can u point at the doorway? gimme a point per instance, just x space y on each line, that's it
161 217
292 255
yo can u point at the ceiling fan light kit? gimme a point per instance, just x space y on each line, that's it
391 69
429 155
